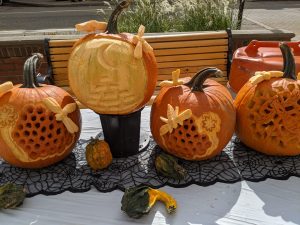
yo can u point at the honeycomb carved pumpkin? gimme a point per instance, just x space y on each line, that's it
193 119
268 110
112 73
39 124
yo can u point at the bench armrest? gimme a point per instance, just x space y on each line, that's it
48 78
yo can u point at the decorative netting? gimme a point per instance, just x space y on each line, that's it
236 162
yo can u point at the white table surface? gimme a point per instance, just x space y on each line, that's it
270 202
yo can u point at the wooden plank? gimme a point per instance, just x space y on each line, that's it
185 44
62 43
189 69
62 57
63 50
60 77
60 71
186 36
192 63
174 58
60 64
60 83
194 50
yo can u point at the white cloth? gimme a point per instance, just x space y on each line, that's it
269 202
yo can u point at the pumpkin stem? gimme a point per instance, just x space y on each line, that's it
29 71
112 25
289 66
196 83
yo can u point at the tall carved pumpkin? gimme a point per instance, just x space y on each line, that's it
112 72
268 110
193 119
39 124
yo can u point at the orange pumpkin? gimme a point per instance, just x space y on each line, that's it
193 119
268 110
112 73
39 124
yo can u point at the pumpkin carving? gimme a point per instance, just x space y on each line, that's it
112 73
39 124
195 118
268 110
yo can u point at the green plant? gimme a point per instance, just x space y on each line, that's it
182 15
208 15
148 13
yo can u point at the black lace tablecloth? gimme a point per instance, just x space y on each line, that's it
235 163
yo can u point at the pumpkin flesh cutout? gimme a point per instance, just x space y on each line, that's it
268 107
113 73
39 124
194 118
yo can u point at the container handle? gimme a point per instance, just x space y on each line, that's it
254 45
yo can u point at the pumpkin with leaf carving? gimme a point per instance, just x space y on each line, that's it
268 110
194 118
111 72
39 124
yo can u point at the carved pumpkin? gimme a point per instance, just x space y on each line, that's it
39 124
98 155
112 73
193 120
268 110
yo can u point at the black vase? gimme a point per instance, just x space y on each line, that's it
122 133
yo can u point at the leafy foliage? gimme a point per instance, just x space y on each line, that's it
180 15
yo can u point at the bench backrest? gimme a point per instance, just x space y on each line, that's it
189 52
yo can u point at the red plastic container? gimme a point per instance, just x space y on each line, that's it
258 56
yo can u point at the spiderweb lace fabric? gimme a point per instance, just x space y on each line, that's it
235 163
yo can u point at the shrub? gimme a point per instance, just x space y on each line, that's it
180 15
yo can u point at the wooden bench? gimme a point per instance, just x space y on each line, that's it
189 52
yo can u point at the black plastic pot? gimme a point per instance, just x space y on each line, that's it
122 133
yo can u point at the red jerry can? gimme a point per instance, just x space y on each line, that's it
258 56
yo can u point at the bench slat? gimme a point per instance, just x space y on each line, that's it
192 63
63 50
185 44
175 58
195 50
62 43
187 36
188 69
